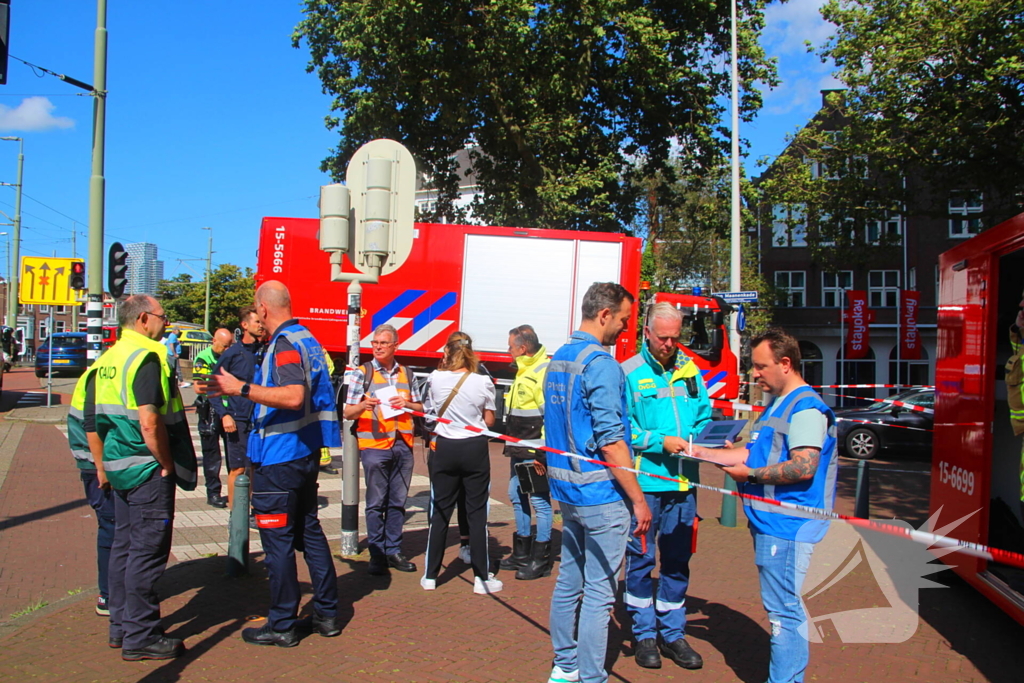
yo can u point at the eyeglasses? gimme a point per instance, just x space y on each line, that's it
382 344
162 316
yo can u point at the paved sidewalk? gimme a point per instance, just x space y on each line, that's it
394 631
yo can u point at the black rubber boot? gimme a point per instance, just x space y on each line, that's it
540 563
521 547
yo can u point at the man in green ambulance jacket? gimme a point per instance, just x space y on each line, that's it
137 412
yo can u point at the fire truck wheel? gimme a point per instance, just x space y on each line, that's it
862 444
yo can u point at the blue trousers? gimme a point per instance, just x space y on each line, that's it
781 566
671 534
142 543
521 506
593 542
284 500
388 474
102 503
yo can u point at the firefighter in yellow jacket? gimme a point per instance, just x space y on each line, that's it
1015 387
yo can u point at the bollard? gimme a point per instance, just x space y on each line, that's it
728 517
238 529
862 502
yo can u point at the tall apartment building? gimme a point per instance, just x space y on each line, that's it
144 270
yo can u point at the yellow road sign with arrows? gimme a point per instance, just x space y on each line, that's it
47 280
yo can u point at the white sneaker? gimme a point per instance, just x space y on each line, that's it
428 584
491 585
464 554
559 676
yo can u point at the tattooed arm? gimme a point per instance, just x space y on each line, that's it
801 466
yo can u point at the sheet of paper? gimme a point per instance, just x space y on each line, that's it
385 394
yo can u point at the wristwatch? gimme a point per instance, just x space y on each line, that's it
751 477
245 390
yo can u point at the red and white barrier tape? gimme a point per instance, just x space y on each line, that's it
722 403
883 424
901 404
924 537
864 386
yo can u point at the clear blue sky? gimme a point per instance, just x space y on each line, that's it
213 121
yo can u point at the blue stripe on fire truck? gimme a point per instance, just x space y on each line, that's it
395 306
711 381
433 311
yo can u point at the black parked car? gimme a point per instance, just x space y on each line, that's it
864 441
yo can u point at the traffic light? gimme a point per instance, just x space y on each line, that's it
78 275
117 270
5 35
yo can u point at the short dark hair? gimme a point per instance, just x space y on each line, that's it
602 295
244 312
782 344
525 335
132 307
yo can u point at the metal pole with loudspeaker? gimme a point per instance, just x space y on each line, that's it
369 219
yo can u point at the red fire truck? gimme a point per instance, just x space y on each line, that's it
484 280
976 458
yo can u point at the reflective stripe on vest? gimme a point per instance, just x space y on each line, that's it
374 431
280 435
78 441
126 457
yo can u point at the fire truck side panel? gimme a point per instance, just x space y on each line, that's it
481 279
973 441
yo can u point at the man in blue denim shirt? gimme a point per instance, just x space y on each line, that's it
585 413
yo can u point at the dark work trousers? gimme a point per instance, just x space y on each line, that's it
388 474
459 465
284 500
142 543
211 460
236 444
102 503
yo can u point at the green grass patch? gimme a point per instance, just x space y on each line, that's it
30 609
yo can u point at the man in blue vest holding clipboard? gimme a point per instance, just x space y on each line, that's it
791 458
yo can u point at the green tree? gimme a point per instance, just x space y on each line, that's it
565 105
230 289
938 85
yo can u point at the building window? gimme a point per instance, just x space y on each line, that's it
883 288
25 308
61 309
81 309
58 326
964 208
82 325
44 308
832 286
426 207
792 288
789 225
42 329
888 228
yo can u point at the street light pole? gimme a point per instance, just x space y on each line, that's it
12 287
97 185
209 257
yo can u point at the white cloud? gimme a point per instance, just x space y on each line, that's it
789 24
33 114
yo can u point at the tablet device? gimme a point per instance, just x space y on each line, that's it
717 432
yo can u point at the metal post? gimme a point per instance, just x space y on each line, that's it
12 301
97 186
350 459
49 359
862 502
729 502
74 254
209 257
238 529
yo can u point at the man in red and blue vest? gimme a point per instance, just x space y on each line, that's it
294 417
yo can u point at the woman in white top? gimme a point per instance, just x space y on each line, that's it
460 463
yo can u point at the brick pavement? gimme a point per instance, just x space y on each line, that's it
393 631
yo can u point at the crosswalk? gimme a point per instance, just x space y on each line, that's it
202 531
